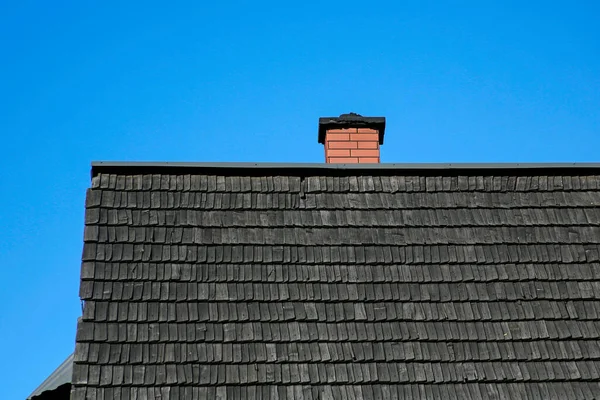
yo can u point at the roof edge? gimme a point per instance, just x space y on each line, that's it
60 376
249 168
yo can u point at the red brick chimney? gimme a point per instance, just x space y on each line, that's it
351 138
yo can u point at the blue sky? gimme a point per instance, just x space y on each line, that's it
462 81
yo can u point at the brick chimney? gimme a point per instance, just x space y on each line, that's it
351 138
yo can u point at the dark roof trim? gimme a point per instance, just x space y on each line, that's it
307 169
351 120
61 376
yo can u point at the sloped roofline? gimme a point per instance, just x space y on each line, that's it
58 377
249 168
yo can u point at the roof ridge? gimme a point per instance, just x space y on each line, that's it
261 168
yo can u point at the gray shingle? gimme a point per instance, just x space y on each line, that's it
244 287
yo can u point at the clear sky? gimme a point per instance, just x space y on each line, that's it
461 81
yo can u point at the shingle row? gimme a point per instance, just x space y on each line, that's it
223 311
467 217
250 352
409 254
220 183
343 236
338 201
363 292
351 273
129 332
458 391
339 373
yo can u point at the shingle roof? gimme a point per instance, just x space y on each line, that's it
205 282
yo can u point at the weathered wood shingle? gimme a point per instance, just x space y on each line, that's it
330 287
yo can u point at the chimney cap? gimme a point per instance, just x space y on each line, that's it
351 120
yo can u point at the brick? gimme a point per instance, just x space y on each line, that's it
368 160
346 160
344 131
342 145
337 136
364 153
339 153
367 130
372 137
368 145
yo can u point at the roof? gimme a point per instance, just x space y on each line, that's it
62 375
202 281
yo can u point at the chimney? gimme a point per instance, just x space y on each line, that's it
351 138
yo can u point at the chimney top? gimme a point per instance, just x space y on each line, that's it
351 120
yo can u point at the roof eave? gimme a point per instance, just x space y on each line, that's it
61 375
